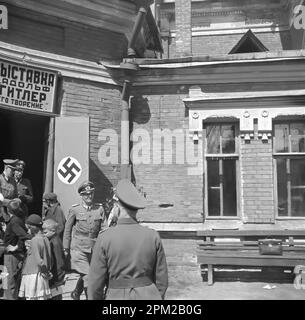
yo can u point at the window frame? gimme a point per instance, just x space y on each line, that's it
284 155
221 156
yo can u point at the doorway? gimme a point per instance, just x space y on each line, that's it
24 136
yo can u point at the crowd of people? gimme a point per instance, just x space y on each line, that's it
114 256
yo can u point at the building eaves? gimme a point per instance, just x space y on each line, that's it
222 59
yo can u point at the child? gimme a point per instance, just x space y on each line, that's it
36 271
14 242
50 228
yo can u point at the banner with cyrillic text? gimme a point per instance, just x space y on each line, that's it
27 88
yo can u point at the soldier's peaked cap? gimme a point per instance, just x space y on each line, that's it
86 187
10 163
129 195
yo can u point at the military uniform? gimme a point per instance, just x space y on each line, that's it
8 188
128 259
81 230
132 258
25 193
24 188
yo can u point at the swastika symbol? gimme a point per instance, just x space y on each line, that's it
69 170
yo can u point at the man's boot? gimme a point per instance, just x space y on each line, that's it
86 292
76 293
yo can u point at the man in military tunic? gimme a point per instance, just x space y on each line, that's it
128 259
24 188
83 225
8 187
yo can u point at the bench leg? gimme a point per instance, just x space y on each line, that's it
210 274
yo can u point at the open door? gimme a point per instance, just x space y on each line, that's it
71 158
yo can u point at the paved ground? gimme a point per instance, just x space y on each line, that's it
223 290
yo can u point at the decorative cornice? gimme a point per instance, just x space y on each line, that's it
232 71
68 67
196 95
244 106
217 13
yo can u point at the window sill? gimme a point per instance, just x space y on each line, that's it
290 218
222 218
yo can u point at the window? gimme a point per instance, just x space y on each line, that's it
220 157
289 155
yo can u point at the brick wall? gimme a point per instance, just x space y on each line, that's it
162 183
102 103
183 28
222 44
297 38
257 181
183 270
165 183
42 32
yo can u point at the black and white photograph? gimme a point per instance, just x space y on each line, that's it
153 151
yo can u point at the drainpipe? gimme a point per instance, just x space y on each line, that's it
130 66
125 166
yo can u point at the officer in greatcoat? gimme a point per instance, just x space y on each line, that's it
128 259
83 225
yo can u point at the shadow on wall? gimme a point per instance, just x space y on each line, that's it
139 111
253 274
286 41
103 187
140 114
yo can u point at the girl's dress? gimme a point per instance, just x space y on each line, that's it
35 281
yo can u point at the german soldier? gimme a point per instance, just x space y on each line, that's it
129 258
8 187
24 188
86 219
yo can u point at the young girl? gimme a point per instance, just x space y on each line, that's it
36 271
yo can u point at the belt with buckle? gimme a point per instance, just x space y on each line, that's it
129 283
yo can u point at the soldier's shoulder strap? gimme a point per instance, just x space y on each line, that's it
99 205
75 206
103 230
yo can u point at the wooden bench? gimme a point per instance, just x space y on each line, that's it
240 248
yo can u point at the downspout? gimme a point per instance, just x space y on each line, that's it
125 165
130 67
